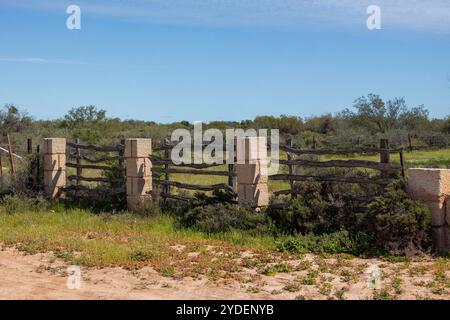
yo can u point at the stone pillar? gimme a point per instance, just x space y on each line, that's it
251 170
432 187
139 171
54 166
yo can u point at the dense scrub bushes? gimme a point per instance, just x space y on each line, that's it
392 222
314 222
396 222
219 213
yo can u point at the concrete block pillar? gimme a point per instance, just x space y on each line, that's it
251 170
432 187
54 166
139 171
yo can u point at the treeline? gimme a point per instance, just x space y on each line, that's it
364 123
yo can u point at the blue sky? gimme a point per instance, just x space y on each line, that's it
221 59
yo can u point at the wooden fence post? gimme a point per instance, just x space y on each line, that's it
78 159
38 167
402 162
11 157
166 187
290 169
232 168
1 165
409 142
384 154
29 146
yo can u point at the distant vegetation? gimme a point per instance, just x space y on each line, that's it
366 121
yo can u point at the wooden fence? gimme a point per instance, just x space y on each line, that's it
163 165
97 160
384 166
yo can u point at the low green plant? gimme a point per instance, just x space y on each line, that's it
398 223
336 242
224 217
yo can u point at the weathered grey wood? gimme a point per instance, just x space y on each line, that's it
402 163
384 155
11 158
158 160
290 158
379 181
98 160
79 169
330 151
94 190
175 197
193 171
167 173
220 186
111 148
87 166
344 164
89 179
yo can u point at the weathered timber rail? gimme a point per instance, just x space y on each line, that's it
384 166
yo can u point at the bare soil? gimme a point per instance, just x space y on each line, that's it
42 276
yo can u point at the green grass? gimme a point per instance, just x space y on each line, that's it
124 240
415 159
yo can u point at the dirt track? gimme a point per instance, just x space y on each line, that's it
39 277
42 276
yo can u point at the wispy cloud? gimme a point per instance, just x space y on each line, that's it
427 15
47 61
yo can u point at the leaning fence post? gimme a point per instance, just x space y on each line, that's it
54 166
11 156
139 171
251 169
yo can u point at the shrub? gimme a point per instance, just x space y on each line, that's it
21 203
301 214
398 223
392 222
223 217
337 242
312 211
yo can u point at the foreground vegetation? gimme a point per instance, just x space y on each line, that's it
124 240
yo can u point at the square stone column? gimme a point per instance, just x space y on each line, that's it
432 187
251 170
54 166
139 171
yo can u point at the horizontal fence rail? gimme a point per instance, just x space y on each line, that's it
111 148
295 177
344 164
336 151
219 186
193 171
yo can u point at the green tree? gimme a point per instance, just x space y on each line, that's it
89 124
13 120
378 116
